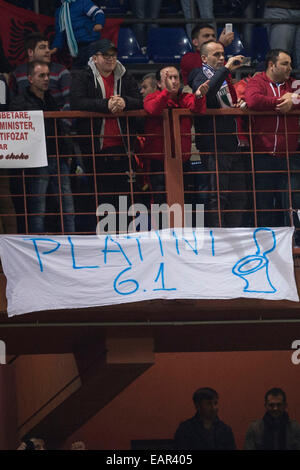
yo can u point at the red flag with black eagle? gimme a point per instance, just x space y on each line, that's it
16 23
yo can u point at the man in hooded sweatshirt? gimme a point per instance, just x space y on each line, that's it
275 140
105 86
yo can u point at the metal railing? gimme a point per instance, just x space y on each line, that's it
86 177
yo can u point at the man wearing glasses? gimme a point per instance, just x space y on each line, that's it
275 431
106 87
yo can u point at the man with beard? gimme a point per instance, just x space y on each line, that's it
275 431
275 138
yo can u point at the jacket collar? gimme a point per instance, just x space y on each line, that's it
118 72
267 79
35 97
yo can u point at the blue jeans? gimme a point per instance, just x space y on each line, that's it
205 8
282 35
144 9
37 188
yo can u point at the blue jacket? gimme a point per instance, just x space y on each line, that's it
84 16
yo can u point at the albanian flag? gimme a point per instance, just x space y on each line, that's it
16 23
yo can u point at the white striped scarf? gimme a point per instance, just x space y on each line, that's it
65 24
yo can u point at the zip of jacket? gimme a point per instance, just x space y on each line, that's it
277 117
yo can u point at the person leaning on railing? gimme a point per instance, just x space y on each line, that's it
169 95
221 152
148 84
36 46
105 86
39 180
274 90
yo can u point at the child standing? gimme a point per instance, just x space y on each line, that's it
79 23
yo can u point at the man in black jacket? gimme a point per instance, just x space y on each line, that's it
38 97
224 155
106 87
205 431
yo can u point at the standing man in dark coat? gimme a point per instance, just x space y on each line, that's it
275 141
223 153
105 86
37 97
36 46
205 431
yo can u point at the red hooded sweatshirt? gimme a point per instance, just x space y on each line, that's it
262 94
154 104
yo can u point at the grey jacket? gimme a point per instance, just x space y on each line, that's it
254 436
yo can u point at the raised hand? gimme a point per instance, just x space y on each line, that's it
202 89
235 62
226 38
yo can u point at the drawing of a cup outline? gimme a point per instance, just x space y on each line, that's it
262 263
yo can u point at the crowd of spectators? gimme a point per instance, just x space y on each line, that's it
274 431
284 35
99 82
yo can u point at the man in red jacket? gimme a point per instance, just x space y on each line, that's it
169 95
274 90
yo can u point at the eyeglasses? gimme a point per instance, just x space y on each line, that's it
107 56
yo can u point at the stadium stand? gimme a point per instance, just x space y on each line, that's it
129 50
168 44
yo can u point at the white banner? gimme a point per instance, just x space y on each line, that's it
22 139
63 272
